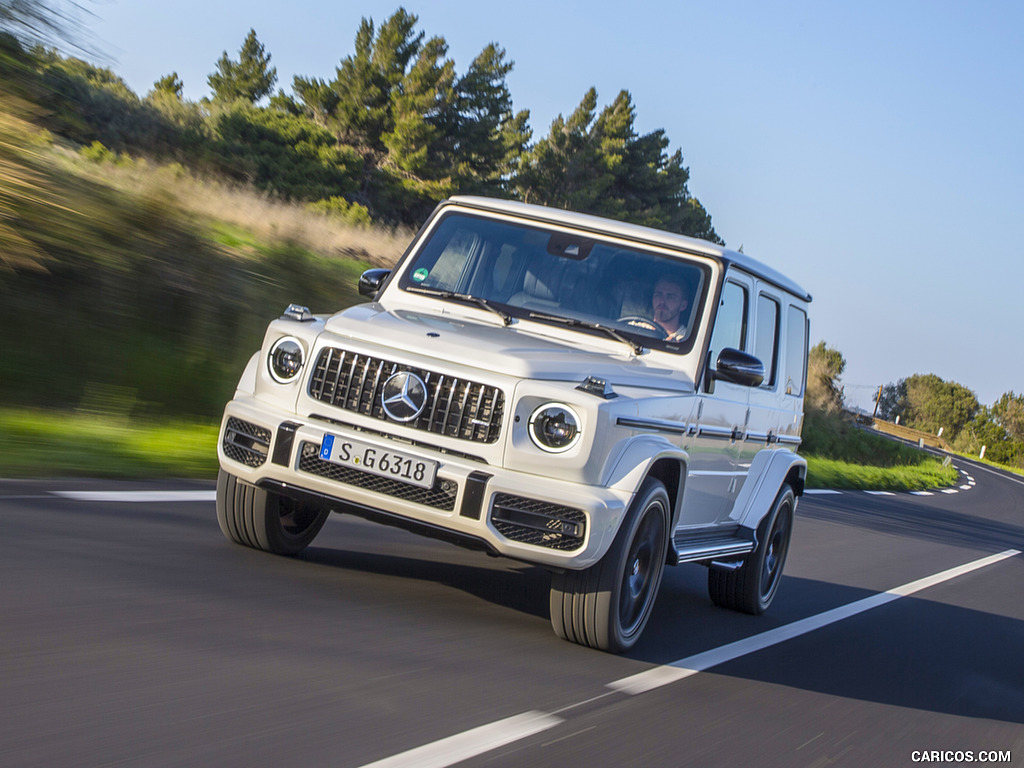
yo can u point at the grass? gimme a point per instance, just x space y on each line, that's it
37 443
842 475
841 455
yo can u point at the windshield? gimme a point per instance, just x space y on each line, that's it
546 275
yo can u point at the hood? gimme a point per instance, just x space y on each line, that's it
523 350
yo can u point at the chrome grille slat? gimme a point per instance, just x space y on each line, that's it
459 408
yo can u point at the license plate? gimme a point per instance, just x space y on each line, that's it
378 461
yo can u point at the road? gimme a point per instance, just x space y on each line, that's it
133 634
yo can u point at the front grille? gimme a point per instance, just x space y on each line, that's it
455 407
441 496
541 523
246 443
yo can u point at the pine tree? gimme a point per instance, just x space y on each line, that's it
248 79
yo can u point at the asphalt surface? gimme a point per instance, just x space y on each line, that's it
133 634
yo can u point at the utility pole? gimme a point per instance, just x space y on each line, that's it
878 399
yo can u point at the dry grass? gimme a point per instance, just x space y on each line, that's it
266 219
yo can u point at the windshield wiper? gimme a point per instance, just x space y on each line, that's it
443 294
572 322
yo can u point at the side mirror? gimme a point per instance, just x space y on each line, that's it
739 368
371 280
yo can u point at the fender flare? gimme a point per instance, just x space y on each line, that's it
768 471
247 382
633 463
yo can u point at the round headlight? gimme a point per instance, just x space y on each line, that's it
285 360
554 428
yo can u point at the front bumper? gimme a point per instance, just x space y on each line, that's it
537 519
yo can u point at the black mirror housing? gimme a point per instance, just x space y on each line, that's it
739 368
371 281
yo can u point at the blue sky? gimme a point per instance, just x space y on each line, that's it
874 151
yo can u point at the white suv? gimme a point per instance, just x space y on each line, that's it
597 398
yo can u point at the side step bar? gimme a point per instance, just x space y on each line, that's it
722 552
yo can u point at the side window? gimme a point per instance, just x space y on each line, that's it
796 351
766 337
731 324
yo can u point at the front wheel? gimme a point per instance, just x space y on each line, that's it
607 605
253 517
752 587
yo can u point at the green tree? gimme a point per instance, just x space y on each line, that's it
484 138
286 154
1008 412
600 164
170 84
893 400
248 79
564 169
825 366
365 81
934 404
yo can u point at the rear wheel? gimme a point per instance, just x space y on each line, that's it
607 605
752 587
254 517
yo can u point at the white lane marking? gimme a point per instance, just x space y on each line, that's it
475 742
950 490
137 497
820 492
880 493
463 746
966 487
677 670
921 493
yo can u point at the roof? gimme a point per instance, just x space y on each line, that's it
636 232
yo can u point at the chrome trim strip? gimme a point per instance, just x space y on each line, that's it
659 425
724 433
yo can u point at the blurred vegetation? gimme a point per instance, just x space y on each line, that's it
48 444
120 283
843 454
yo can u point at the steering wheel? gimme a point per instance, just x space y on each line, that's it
644 324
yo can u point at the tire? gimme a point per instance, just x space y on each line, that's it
264 520
607 605
752 587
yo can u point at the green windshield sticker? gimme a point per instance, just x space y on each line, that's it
420 275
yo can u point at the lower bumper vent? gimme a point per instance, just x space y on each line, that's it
441 496
540 523
246 443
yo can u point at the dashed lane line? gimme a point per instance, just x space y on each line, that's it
478 741
137 497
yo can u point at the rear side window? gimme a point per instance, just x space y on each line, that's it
766 338
796 351
731 323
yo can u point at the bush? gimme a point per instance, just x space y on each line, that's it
352 214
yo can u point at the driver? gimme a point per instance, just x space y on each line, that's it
669 302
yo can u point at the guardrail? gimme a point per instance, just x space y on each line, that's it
914 435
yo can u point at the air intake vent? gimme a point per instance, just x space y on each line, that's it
540 523
246 443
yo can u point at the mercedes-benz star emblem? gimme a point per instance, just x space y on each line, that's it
404 396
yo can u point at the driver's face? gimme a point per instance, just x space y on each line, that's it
667 302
